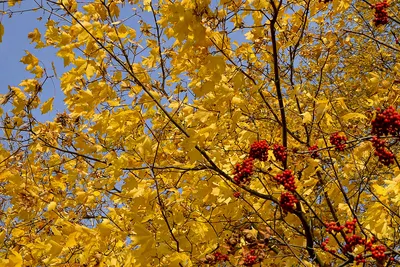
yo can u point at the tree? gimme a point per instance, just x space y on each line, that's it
199 132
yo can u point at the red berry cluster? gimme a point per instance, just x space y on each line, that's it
243 171
360 259
314 153
384 155
378 252
352 242
259 150
386 122
369 244
212 259
287 202
324 246
250 258
381 16
236 194
339 141
280 152
287 180
351 226
220 257
332 227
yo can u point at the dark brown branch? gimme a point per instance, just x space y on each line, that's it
277 79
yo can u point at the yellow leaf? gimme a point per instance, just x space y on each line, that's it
105 228
2 236
16 258
215 191
236 100
1 32
13 2
18 232
180 259
71 242
146 4
30 60
55 249
350 116
114 9
379 190
47 106
194 155
321 108
307 118
345 208
143 237
122 31
51 206
90 71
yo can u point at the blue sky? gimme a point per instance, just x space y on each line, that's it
15 42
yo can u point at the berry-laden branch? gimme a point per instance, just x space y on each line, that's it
385 125
288 201
352 240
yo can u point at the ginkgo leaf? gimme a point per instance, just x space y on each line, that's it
47 106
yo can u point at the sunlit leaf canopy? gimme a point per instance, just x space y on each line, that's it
149 163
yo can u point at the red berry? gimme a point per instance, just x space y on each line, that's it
386 122
220 257
350 226
259 150
352 242
236 194
243 171
381 16
313 152
287 180
280 152
332 227
385 156
378 252
250 259
287 202
339 141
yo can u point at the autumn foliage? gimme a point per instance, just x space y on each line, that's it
203 133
